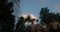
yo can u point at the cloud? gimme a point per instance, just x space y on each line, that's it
24 16
31 16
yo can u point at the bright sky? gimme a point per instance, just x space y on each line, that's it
34 6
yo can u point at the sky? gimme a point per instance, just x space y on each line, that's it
34 7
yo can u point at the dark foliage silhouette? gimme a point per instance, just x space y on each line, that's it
20 25
50 19
6 17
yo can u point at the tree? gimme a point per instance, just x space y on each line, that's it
57 17
6 17
49 18
28 18
43 14
20 25
28 29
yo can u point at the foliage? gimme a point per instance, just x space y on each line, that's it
6 17
20 25
45 15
